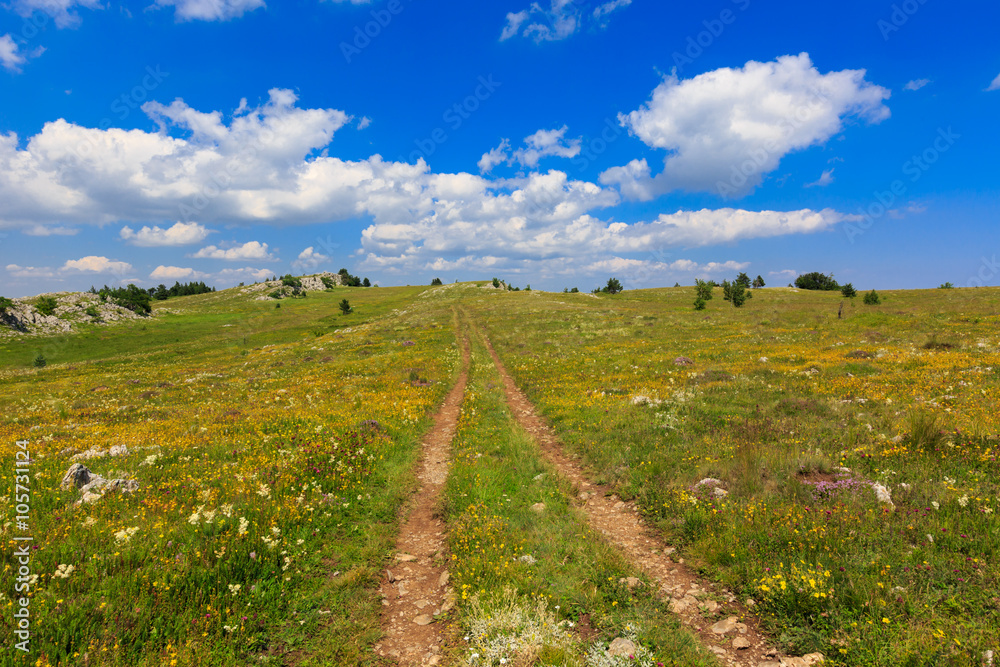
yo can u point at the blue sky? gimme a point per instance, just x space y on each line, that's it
554 143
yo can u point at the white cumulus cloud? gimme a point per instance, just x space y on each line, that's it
824 180
176 273
17 271
10 57
561 19
94 264
62 11
309 259
726 129
249 250
181 233
543 143
995 85
211 10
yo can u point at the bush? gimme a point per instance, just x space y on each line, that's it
46 305
133 298
872 298
366 283
946 286
40 361
345 307
496 282
328 282
816 281
93 312
347 279
290 281
699 304
5 304
758 282
613 286
276 294
703 289
849 291
435 282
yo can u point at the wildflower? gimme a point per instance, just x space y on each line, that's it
63 571
243 525
264 491
235 588
964 500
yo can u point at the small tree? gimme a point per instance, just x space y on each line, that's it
699 304
40 361
816 281
739 294
848 291
872 298
345 307
366 283
496 282
946 286
436 281
758 282
613 286
743 279
677 284
703 289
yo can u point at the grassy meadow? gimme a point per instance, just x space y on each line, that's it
272 446
275 447
805 419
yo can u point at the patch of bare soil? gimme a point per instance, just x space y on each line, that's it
724 626
416 588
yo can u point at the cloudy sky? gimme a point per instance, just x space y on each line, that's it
555 143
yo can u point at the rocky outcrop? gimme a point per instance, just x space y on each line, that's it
92 487
23 318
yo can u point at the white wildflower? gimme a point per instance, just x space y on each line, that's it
964 500
124 535
63 571
227 509
264 491
235 588
243 526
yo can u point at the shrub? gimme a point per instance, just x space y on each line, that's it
328 282
366 283
345 307
703 289
93 312
5 304
946 286
435 282
699 304
816 281
40 361
496 282
347 279
758 282
133 298
290 281
849 291
46 305
276 294
613 286
872 298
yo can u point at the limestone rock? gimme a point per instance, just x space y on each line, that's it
726 626
621 647
423 619
538 507
741 643
77 476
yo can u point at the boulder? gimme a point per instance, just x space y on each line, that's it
622 648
